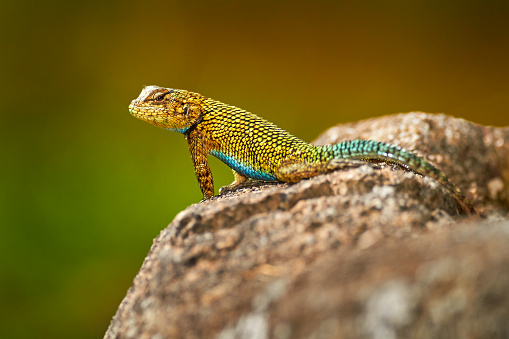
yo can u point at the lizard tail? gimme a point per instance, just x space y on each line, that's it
369 150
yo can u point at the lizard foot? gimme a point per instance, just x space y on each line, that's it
238 185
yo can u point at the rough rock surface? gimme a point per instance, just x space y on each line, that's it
371 252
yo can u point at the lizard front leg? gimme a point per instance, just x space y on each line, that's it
201 164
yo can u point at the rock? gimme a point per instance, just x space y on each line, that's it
373 251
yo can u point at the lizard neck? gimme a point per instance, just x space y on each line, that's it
188 131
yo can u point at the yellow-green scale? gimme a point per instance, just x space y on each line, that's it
247 143
255 147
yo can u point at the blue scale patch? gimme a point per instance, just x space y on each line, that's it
245 170
179 130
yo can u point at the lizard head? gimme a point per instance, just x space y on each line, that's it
173 109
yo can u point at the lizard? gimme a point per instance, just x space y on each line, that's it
256 149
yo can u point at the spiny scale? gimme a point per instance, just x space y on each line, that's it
255 148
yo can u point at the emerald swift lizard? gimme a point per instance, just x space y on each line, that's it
257 149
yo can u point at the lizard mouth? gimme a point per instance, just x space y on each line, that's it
148 114
139 113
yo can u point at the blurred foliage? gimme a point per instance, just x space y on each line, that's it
85 187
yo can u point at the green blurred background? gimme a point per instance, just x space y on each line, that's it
85 187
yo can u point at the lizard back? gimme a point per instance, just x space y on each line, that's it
247 143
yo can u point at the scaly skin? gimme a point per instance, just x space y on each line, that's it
257 149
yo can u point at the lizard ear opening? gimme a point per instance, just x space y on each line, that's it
186 109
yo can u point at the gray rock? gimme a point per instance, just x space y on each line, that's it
371 252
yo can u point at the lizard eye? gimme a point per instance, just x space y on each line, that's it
160 97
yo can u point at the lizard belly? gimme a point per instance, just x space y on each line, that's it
245 170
